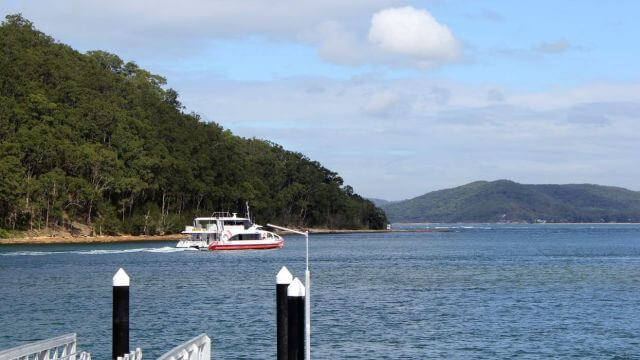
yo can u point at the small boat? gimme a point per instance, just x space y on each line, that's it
224 231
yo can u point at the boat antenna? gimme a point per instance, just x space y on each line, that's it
248 214
307 285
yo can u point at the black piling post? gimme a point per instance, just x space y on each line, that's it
295 323
120 344
283 280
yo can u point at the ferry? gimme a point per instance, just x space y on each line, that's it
224 231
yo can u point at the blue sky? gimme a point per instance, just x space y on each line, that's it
399 97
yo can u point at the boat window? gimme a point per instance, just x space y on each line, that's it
234 222
255 236
212 237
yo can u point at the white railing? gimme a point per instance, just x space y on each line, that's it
57 348
64 348
198 348
134 355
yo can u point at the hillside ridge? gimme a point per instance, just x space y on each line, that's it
509 201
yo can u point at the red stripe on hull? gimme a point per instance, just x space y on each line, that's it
278 245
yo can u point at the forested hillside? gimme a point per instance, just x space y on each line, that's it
87 139
508 201
379 202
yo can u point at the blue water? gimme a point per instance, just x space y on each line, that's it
478 291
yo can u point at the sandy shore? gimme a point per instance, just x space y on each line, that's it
87 239
32 240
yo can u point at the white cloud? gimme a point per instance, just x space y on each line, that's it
440 95
495 95
338 44
556 47
414 33
381 103
590 93
492 16
537 52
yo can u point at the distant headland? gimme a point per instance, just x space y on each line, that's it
507 201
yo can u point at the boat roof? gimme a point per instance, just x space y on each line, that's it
221 218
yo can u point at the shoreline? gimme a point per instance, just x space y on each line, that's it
109 239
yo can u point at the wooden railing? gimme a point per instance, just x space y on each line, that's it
198 348
58 348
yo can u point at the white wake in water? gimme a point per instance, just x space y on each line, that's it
166 249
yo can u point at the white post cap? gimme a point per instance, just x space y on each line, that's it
284 276
121 278
296 288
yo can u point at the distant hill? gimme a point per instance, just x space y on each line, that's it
379 202
508 201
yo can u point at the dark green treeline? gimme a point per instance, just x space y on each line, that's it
89 139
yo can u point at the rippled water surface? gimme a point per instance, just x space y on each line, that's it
477 291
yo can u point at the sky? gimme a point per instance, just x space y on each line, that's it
398 97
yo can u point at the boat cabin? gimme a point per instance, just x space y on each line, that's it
221 223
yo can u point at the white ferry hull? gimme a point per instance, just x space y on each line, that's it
245 245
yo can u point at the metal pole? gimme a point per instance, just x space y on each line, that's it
307 280
120 343
283 280
295 311
307 305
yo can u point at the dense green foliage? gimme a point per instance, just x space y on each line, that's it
90 139
507 201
